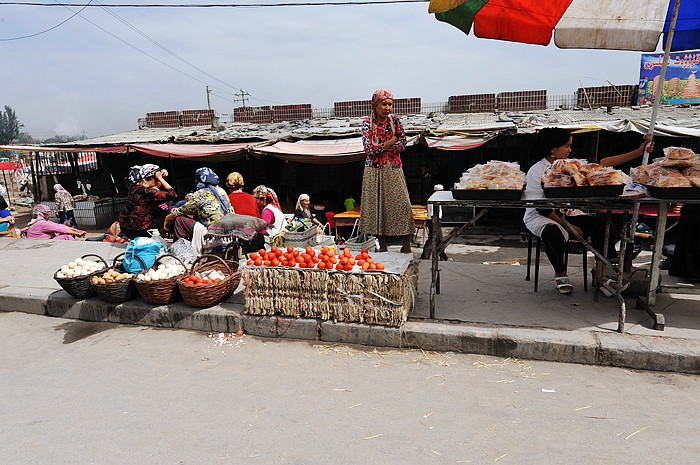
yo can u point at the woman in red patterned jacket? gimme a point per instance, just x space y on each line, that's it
150 190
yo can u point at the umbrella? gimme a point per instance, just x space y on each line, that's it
586 24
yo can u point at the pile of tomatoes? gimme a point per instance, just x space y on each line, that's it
327 259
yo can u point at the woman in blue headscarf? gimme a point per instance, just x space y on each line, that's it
208 205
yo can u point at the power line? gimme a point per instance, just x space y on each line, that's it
162 47
51 28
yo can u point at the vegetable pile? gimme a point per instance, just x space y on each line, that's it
205 277
307 258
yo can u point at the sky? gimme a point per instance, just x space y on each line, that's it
97 72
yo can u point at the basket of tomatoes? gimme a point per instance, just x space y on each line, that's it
209 281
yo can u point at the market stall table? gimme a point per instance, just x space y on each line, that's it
445 198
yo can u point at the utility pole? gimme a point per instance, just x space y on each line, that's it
208 98
240 97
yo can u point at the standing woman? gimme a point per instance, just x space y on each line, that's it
64 205
386 205
148 190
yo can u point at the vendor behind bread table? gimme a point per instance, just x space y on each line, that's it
386 205
148 190
555 144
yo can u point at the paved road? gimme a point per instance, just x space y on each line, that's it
75 392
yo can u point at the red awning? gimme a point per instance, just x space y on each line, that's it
7 166
220 152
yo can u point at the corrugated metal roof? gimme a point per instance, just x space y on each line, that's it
684 118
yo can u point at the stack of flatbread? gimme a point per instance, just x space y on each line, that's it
680 167
574 172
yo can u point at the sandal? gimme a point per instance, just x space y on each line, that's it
609 287
563 284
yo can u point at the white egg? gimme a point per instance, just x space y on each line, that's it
64 268
72 265
60 275
79 261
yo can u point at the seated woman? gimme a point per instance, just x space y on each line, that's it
40 227
553 144
148 192
242 202
302 209
270 209
7 221
207 205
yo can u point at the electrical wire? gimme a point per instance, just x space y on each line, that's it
164 48
49 29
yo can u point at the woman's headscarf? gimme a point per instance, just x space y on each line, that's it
148 171
302 197
378 97
207 179
60 189
234 181
133 177
40 212
267 194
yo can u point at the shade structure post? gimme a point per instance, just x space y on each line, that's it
662 76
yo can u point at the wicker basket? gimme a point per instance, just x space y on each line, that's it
208 295
80 287
119 291
301 239
162 291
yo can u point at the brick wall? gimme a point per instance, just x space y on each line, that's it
258 115
473 103
197 117
163 119
522 100
603 96
359 108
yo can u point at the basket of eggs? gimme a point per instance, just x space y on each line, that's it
74 277
158 284
115 285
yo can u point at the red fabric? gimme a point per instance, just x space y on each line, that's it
244 204
330 219
527 21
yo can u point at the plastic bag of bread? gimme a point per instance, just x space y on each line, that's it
675 163
678 153
604 176
660 176
692 174
492 175
640 174
553 178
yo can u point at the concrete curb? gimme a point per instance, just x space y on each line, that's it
589 347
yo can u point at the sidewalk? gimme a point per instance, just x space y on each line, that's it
482 308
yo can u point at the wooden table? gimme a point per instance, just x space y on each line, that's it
420 218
